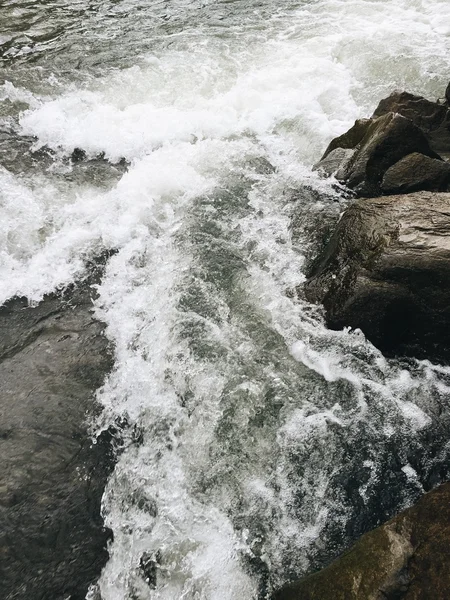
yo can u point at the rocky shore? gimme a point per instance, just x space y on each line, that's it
386 270
52 359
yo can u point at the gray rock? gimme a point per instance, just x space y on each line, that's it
405 559
417 172
334 162
432 118
52 358
386 270
351 138
388 139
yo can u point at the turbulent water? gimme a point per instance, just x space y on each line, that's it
257 444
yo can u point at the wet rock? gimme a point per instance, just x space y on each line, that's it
431 117
402 124
417 172
386 271
149 565
334 162
388 139
52 359
405 559
19 156
351 138
78 155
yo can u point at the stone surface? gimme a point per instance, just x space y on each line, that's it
417 172
388 139
405 559
52 358
334 161
386 270
351 138
432 118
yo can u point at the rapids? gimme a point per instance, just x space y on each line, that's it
257 444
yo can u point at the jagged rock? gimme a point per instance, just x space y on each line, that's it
386 271
351 138
334 162
388 139
405 559
432 118
402 124
417 172
52 358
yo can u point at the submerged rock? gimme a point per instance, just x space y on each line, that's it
386 271
405 559
52 358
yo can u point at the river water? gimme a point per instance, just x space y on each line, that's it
257 444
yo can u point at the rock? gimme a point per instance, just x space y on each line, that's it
432 118
402 124
351 138
447 94
405 559
386 271
334 161
417 172
52 358
78 155
19 156
388 139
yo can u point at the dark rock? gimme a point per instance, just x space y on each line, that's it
447 94
351 138
432 118
18 155
78 155
417 172
386 270
334 161
388 139
149 565
405 559
52 358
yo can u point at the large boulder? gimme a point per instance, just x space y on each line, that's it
431 117
386 271
416 172
401 125
386 140
52 359
405 559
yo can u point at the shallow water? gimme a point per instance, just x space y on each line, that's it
258 444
